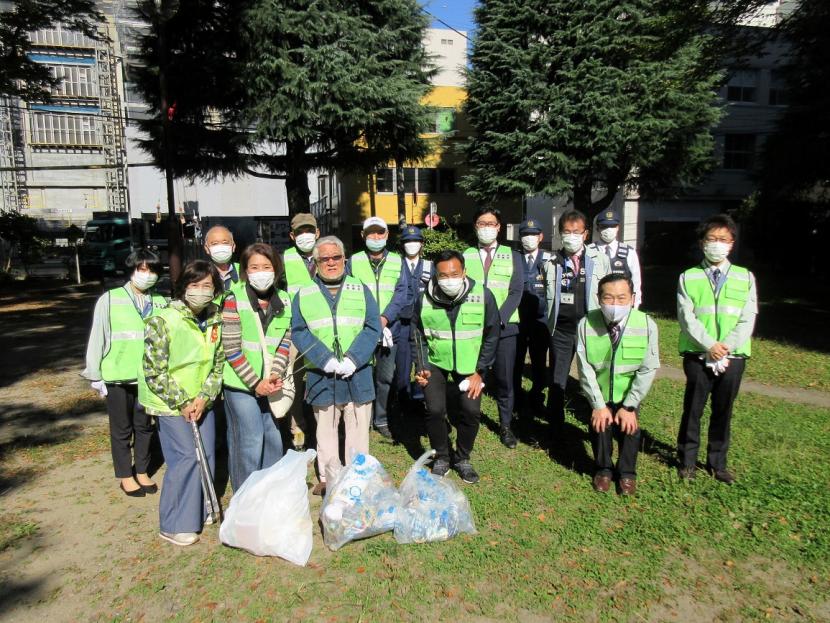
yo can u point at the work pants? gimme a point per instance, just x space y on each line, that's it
442 391
562 350
356 419
130 430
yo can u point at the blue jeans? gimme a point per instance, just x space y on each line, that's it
182 504
384 378
254 440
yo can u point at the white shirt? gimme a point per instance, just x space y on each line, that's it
633 266
482 252
531 256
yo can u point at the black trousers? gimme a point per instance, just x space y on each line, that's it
628 445
562 351
441 391
503 368
533 337
700 384
129 427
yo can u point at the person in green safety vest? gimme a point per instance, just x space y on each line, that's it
455 337
380 270
617 356
716 307
256 321
335 322
181 375
219 246
299 272
113 362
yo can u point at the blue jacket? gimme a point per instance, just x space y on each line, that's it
324 390
415 283
393 309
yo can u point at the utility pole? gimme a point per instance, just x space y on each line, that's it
174 230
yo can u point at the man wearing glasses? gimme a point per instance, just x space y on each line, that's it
716 308
617 354
335 322
571 276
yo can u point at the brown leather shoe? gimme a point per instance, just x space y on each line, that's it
687 472
602 483
722 475
319 489
628 486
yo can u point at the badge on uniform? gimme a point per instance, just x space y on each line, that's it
214 334
582 271
618 263
567 298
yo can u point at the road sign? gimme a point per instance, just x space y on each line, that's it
432 220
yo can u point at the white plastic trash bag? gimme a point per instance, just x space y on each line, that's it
432 508
269 514
360 502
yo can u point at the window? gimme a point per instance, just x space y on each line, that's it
446 180
385 181
409 180
778 90
419 181
427 180
322 189
742 85
65 130
445 120
446 41
738 151
75 80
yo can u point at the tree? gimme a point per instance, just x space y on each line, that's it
585 97
20 76
21 237
280 88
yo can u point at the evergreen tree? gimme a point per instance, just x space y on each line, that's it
584 97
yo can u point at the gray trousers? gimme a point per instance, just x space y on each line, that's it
182 504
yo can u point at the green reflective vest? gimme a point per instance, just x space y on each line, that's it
719 314
190 357
616 367
380 284
497 278
122 362
251 346
455 348
337 331
296 271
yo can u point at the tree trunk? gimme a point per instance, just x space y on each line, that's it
401 193
296 180
582 195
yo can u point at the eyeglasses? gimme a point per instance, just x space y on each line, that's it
578 233
714 239
331 259
487 223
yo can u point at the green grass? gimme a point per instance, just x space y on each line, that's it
773 362
549 547
14 528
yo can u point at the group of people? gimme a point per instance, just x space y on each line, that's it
255 347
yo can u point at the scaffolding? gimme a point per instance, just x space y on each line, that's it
12 158
112 126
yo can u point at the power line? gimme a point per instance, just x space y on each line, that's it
440 21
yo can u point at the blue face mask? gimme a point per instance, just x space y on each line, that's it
375 245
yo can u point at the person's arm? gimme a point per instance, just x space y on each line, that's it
490 335
213 383
514 290
282 356
636 276
549 272
746 321
587 375
647 371
232 344
99 339
398 302
688 321
363 346
305 341
156 354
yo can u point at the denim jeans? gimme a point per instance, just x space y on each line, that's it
254 440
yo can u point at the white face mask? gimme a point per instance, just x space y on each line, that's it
412 248
144 280
262 280
609 234
487 235
716 252
530 243
198 299
221 253
305 242
451 286
614 314
375 245
572 243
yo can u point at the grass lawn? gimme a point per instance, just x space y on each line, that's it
548 547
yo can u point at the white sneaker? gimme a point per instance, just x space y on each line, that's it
210 520
180 538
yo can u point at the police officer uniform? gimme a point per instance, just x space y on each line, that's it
622 257
533 330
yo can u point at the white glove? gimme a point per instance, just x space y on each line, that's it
346 368
465 385
100 387
331 366
387 338
717 367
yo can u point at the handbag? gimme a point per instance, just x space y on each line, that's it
280 402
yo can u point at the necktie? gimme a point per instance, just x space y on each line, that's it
529 262
608 251
488 260
715 277
615 334
575 262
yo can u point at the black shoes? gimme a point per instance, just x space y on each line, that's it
687 472
440 467
384 431
507 438
466 472
137 493
150 489
721 475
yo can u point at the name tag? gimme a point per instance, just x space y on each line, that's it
567 298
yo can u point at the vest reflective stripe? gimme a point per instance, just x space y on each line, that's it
348 319
251 348
122 362
616 369
719 315
382 285
455 347
189 361
296 271
498 277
